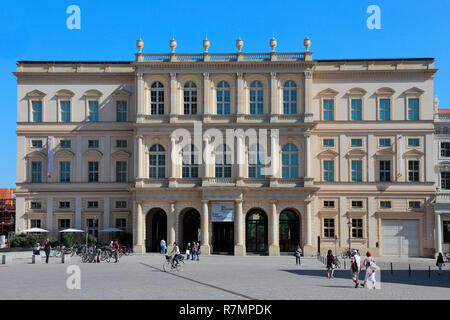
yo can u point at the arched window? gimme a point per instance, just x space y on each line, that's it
157 98
223 98
256 98
256 161
223 161
190 98
289 160
290 97
190 161
157 162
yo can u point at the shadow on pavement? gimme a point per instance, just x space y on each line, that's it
418 277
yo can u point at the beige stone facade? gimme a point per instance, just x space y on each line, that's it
351 139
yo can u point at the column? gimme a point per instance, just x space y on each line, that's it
274 105
240 94
78 212
140 104
206 100
173 96
308 248
274 157
438 232
204 245
139 245
308 115
139 156
207 159
239 246
274 232
240 155
49 224
171 225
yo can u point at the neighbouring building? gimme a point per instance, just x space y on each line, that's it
442 205
352 142
7 212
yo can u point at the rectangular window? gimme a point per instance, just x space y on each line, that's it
356 142
93 171
328 203
357 204
446 231
121 204
385 204
445 180
414 204
64 224
328 228
328 170
121 143
356 170
64 204
356 109
413 109
445 149
357 228
121 111
328 142
92 204
35 205
121 223
385 142
36 143
385 109
36 171
93 111
328 109
413 170
35 223
65 144
65 111
92 227
385 170
93 143
64 171
37 111
413 142
121 171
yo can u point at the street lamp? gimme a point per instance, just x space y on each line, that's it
349 223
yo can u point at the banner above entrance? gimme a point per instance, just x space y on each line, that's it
222 211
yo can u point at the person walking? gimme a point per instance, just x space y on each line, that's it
194 250
298 254
47 248
440 262
188 250
330 264
116 252
369 263
198 251
355 267
162 243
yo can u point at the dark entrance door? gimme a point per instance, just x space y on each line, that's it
256 232
223 240
159 229
191 228
289 231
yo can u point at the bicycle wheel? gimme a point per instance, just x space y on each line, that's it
84 258
180 266
167 266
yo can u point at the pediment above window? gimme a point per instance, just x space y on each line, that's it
93 153
359 153
413 91
356 92
385 152
121 93
328 154
93 94
36 154
385 91
328 92
413 153
64 93
121 155
64 154
35 94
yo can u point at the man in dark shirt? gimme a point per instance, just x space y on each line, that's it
47 248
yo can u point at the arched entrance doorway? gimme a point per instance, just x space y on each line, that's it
191 227
256 231
155 229
289 230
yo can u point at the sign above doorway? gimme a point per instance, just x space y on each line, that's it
222 212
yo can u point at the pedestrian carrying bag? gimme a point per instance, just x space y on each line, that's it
354 266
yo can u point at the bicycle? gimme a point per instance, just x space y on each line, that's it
336 262
168 266
347 254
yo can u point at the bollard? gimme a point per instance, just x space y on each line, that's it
409 270
429 272
392 271
345 265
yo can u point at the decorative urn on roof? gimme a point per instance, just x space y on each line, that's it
273 44
140 44
206 44
307 43
239 44
173 44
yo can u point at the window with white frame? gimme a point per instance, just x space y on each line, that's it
92 204
290 97
445 180
385 142
445 149
36 143
413 170
35 205
414 204
385 204
413 142
413 109
65 110
223 98
157 161
121 171
64 204
36 171
328 109
36 110
121 223
121 111
35 223
121 204
328 170
93 111
223 161
385 109
65 144
190 98
289 161
385 170
121 143
356 170
356 112
93 172
357 228
356 142
329 143
357 204
157 98
64 171
92 225
93 143
256 97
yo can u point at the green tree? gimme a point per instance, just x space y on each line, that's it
67 239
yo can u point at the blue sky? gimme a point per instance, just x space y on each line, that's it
36 30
